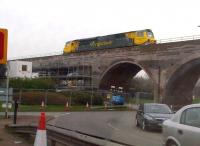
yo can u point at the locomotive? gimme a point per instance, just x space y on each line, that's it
126 39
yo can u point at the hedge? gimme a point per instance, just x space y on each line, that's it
77 98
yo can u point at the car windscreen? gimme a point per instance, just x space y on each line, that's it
160 109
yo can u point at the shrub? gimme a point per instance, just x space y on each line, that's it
36 97
77 98
81 98
32 83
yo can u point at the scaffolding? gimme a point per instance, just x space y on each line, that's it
68 73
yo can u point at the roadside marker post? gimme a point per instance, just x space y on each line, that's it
15 111
105 106
87 106
129 106
67 106
42 106
41 135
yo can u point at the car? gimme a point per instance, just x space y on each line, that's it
72 74
183 129
152 115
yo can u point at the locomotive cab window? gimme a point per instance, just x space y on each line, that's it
149 34
140 33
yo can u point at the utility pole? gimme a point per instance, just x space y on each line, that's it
159 73
91 99
7 91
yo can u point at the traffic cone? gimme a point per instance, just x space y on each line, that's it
67 107
41 136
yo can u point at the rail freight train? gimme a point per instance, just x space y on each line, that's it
133 38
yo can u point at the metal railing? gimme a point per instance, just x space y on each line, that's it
178 39
37 55
65 136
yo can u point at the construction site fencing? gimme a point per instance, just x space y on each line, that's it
32 99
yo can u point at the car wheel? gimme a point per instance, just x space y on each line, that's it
144 126
171 143
136 123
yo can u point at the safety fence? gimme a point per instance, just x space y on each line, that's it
32 100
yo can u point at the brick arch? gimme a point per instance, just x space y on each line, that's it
180 84
120 73
171 71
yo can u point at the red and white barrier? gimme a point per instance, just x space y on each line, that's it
41 136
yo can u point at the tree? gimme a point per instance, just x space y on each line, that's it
140 84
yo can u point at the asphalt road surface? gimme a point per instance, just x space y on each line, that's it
117 126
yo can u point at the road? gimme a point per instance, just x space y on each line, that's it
117 126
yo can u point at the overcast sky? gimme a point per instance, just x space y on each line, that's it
43 26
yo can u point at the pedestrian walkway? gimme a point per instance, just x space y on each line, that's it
8 139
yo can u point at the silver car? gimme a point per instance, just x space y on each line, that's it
183 129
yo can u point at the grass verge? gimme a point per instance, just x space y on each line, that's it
61 108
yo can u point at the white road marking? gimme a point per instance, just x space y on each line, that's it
110 125
56 116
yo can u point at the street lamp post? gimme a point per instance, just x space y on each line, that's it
91 98
7 91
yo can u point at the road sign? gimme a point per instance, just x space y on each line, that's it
3 92
109 96
3 45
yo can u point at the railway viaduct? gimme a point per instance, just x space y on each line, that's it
173 67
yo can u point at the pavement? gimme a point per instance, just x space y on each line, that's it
32 113
116 126
8 139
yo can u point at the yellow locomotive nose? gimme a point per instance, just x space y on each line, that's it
67 49
71 46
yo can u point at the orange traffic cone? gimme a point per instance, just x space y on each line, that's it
41 136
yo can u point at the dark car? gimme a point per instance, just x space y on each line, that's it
152 115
